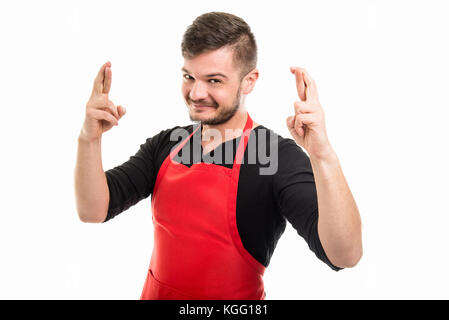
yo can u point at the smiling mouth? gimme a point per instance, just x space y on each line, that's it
202 106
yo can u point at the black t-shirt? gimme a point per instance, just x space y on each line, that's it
285 191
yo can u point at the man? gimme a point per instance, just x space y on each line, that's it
216 223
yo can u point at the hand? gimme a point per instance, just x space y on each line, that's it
101 113
307 126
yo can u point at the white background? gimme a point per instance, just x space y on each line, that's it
381 68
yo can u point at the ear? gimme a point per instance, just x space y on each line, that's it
249 81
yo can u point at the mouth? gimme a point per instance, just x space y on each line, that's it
202 107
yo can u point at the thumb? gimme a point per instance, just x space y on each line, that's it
291 127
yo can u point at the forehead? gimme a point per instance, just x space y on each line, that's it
220 60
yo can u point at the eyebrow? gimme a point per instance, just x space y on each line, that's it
209 75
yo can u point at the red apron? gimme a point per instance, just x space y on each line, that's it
198 253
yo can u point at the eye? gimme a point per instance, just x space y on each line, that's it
214 81
187 77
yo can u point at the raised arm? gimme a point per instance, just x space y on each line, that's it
339 222
91 189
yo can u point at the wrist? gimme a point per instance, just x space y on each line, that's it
82 138
327 156
326 168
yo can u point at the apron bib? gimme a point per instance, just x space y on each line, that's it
198 253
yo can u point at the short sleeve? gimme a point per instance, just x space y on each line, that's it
295 192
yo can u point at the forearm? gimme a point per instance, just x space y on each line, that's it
91 189
339 222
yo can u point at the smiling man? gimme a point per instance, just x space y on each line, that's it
217 212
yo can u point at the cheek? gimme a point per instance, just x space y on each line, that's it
222 97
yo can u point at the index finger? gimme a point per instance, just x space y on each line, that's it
107 80
99 80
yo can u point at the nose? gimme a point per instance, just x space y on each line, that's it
198 91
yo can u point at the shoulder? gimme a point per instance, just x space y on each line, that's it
277 156
289 154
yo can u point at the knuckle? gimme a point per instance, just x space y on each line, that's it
111 105
98 102
103 102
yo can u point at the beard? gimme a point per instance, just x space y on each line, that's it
224 113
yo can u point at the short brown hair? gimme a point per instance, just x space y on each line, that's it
214 30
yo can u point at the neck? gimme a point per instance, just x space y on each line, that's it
228 130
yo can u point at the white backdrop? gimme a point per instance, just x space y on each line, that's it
381 68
